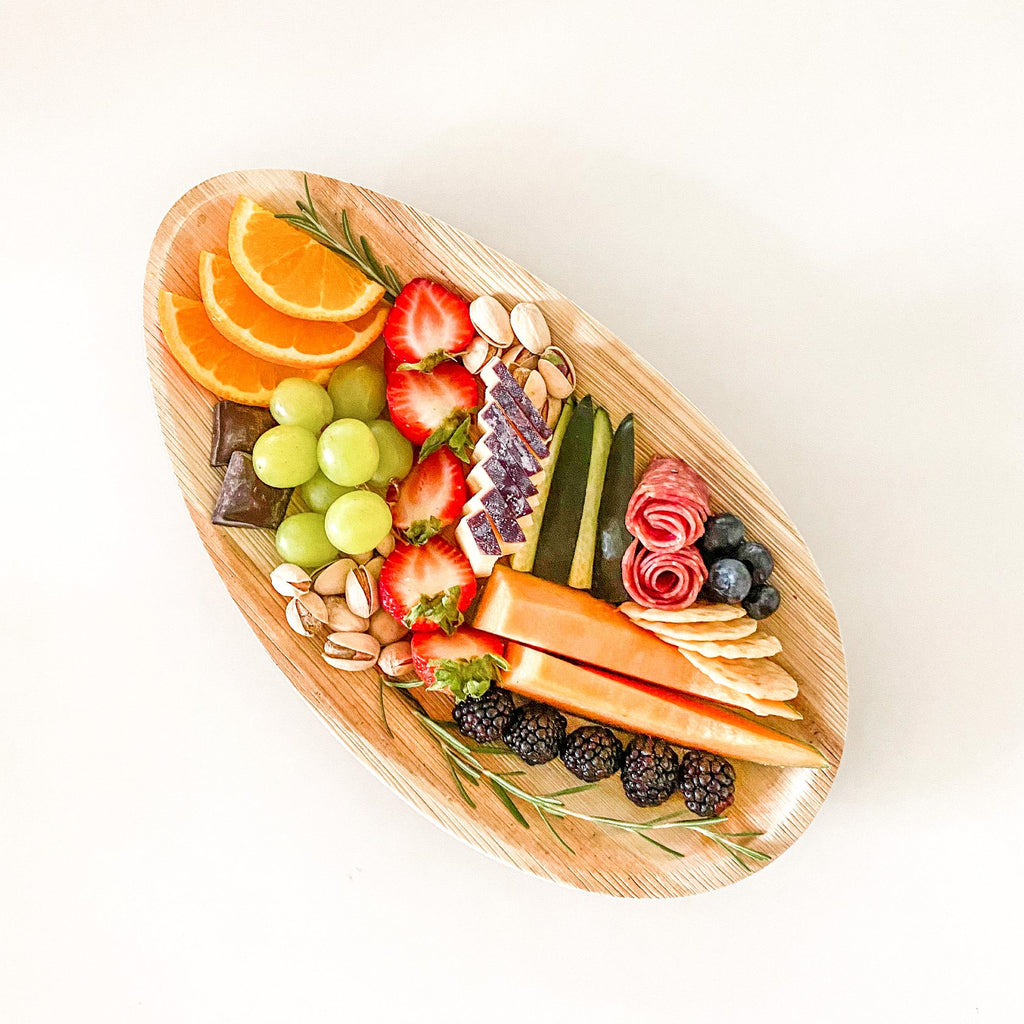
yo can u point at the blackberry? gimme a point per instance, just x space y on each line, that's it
592 753
483 718
707 782
650 771
535 732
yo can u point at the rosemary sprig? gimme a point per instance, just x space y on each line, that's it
308 219
463 760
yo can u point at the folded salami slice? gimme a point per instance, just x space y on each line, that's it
663 579
669 506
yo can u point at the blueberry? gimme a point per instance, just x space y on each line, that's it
762 601
721 533
728 581
758 559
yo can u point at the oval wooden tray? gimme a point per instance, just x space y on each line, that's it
779 802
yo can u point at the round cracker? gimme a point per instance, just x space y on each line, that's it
698 612
704 686
758 677
735 629
757 645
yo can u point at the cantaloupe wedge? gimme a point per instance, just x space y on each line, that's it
679 719
571 623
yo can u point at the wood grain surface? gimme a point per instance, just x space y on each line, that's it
779 802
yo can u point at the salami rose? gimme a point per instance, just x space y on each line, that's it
663 579
669 506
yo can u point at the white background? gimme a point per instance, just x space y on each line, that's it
808 215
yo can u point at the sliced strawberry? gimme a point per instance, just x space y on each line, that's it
466 663
430 497
427 587
434 409
427 324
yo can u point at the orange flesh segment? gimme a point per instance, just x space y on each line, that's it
291 272
251 324
680 719
571 623
212 361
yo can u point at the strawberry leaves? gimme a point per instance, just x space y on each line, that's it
452 433
468 677
442 609
423 529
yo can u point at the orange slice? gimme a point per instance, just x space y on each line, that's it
291 272
251 324
211 360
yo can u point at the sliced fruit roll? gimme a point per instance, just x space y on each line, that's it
507 477
503 396
502 439
497 376
507 526
651 710
480 544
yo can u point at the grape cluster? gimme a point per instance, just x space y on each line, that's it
332 444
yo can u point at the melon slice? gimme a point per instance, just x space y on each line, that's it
556 618
683 720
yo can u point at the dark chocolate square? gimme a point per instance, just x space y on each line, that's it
245 500
236 428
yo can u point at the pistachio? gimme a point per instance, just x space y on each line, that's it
361 591
476 353
395 660
374 566
558 372
306 613
520 374
530 327
290 580
491 320
363 558
351 652
508 357
386 546
535 389
341 618
385 627
552 410
331 580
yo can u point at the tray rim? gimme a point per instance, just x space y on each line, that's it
448 812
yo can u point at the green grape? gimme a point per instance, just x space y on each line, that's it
285 456
357 390
301 403
358 522
348 453
395 453
318 492
302 540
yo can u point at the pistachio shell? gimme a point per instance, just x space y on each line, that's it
530 327
476 354
331 580
558 372
491 319
290 580
535 389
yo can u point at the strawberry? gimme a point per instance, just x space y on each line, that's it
430 497
433 409
427 325
466 663
427 587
